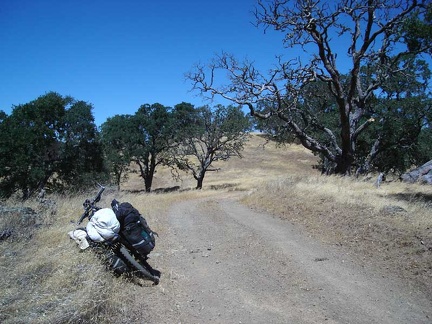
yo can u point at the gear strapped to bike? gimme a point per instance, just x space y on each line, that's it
134 228
121 234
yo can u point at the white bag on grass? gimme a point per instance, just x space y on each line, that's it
103 225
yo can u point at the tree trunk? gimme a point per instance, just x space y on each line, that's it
345 159
200 179
148 180
344 163
146 172
118 176
199 183
148 177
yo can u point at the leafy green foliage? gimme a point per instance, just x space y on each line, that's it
154 132
142 138
117 139
48 141
402 115
417 31
83 161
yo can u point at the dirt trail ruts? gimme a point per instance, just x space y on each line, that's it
225 263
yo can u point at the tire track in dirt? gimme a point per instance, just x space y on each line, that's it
224 263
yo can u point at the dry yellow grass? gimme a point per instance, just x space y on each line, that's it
388 227
45 279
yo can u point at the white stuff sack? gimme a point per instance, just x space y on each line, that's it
103 225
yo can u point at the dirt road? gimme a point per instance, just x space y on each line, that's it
224 263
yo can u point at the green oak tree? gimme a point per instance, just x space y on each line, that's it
153 133
118 137
50 141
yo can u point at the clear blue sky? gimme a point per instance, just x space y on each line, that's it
118 55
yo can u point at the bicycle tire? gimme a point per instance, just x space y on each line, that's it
142 270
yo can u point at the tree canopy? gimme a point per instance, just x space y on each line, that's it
142 138
334 98
50 141
158 135
118 142
417 29
154 131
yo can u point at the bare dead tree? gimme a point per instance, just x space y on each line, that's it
220 136
369 32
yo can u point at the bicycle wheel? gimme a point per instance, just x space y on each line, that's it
141 269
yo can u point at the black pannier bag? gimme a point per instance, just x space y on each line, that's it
134 228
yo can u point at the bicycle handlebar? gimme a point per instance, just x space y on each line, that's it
99 195
89 205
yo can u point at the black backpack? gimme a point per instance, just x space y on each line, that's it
134 228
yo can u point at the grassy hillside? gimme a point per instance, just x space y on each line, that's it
45 279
